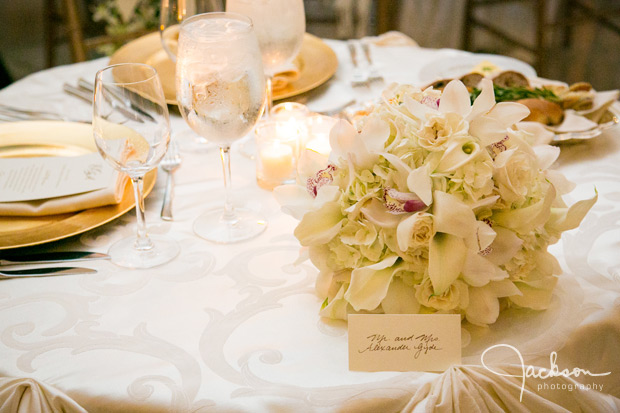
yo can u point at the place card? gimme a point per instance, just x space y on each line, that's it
404 342
28 179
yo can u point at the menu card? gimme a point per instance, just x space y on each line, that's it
404 342
27 179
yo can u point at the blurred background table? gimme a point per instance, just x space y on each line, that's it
570 40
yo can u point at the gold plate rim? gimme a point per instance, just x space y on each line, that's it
317 61
57 227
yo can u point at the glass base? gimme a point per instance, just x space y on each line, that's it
213 227
124 253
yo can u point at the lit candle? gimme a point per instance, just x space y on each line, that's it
287 110
277 162
278 149
318 129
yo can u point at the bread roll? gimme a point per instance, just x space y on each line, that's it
439 84
543 111
580 87
471 80
510 78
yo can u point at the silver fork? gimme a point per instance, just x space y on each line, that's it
374 74
170 163
358 77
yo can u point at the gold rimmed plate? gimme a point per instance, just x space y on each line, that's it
316 63
55 138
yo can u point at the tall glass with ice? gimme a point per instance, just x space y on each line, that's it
220 91
280 26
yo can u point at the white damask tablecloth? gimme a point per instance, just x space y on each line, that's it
235 328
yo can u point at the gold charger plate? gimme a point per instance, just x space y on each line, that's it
55 138
316 62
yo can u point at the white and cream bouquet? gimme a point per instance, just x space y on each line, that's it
432 204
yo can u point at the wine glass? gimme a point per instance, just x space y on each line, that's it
220 87
172 13
132 131
280 26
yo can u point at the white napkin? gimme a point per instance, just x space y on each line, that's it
27 395
392 38
112 194
476 389
285 75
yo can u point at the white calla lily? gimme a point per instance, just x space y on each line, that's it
564 219
536 297
320 226
483 306
370 284
458 153
337 307
400 299
447 254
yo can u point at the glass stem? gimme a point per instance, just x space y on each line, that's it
143 242
269 96
229 212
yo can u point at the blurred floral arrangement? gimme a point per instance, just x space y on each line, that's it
432 204
121 17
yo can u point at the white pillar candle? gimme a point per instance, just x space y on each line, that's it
277 162
277 145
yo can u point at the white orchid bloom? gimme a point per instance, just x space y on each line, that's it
360 148
483 306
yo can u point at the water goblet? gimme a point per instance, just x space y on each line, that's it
280 26
172 14
220 87
132 131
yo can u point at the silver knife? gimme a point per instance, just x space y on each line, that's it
51 257
88 97
89 87
45 272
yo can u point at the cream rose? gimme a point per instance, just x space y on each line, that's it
514 173
415 231
455 297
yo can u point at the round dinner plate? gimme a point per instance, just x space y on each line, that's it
316 63
463 63
56 138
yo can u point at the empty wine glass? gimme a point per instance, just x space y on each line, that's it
172 14
280 26
220 87
132 131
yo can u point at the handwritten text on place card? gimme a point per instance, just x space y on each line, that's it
26 179
404 342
